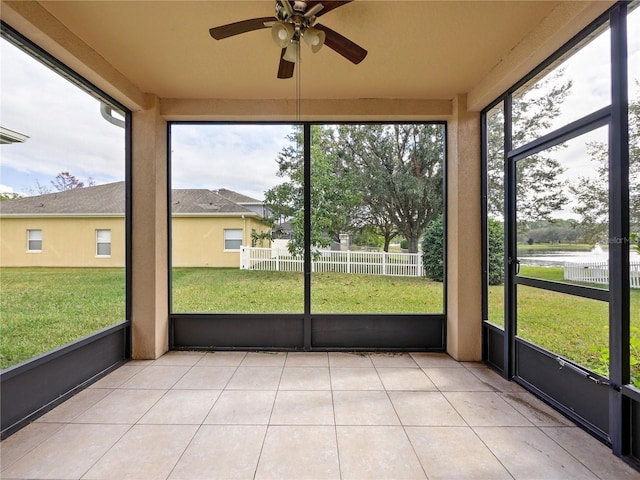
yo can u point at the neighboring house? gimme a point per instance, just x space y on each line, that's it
85 227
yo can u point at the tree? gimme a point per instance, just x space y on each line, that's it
495 257
592 193
540 192
65 181
9 196
385 176
333 198
399 170
433 250
39 189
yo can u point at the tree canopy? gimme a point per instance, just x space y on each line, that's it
592 193
540 191
388 178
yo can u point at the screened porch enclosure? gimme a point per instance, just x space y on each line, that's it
207 169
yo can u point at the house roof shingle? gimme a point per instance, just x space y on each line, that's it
109 199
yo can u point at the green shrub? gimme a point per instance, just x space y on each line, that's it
495 237
404 244
433 250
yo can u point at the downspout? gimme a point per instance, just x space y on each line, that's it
107 113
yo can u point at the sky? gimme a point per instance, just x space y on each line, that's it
67 133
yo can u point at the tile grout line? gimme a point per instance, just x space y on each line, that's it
266 429
469 425
335 421
567 451
402 425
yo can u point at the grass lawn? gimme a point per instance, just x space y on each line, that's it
243 291
44 308
577 328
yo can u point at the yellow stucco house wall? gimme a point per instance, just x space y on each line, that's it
65 242
200 241
86 228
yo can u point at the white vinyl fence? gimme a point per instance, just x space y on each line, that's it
598 272
364 263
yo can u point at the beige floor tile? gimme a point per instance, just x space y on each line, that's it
121 406
178 358
221 452
75 405
181 407
303 408
456 380
410 379
392 360
451 453
355 379
485 409
305 378
252 407
348 359
25 440
222 359
434 359
140 363
364 408
255 378
119 376
529 454
205 378
161 377
593 454
264 359
307 359
383 453
315 457
146 452
69 453
493 380
425 409
535 410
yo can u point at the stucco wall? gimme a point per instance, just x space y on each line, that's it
199 242
66 242
71 242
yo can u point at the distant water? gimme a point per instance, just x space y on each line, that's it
552 258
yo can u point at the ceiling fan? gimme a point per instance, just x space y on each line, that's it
295 20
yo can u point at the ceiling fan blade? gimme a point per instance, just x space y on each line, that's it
285 68
237 28
327 4
345 47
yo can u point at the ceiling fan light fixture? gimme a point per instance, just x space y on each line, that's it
292 53
282 33
314 38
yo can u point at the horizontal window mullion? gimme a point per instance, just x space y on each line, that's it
586 124
567 288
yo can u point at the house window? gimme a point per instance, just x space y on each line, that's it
34 240
232 239
103 243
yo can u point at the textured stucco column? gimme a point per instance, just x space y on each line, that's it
150 311
464 260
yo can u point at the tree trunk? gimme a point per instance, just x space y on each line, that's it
413 244
387 241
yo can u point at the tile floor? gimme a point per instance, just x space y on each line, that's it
236 415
